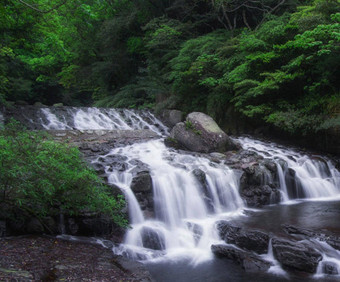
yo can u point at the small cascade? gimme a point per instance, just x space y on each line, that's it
184 209
330 263
69 118
276 267
300 176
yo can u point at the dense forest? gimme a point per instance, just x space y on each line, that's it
275 62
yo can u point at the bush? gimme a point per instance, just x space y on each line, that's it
40 177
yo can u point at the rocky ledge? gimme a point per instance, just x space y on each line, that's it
51 259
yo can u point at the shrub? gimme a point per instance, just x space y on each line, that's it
40 177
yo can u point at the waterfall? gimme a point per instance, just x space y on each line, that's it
185 211
300 176
69 118
189 192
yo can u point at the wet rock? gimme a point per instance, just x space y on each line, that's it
171 117
139 166
258 185
294 188
249 262
142 182
251 240
98 167
143 189
196 229
152 239
296 255
200 133
330 239
329 268
270 165
207 197
115 162
200 176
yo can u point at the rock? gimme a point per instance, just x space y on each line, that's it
249 262
251 240
173 143
142 182
200 133
293 186
39 105
207 197
330 239
258 184
34 226
296 255
152 239
143 189
329 268
96 226
21 103
58 105
196 229
171 117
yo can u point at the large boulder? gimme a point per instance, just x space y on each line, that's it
200 133
296 255
249 262
251 240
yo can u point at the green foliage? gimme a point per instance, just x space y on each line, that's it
189 126
278 64
45 178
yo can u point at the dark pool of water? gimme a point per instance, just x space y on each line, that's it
319 216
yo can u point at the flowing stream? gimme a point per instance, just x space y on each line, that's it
300 176
177 236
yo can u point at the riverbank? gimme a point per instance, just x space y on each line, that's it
39 258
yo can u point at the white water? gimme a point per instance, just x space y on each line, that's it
179 201
315 177
186 211
99 119
329 256
275 268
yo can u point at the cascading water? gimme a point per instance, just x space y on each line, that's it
68 118
185 211
190 193
300 176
